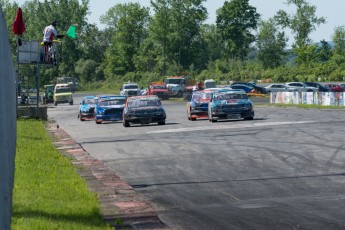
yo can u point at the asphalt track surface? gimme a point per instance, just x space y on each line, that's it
283 170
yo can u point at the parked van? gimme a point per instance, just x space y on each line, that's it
209 83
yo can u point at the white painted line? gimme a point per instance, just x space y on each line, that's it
231 126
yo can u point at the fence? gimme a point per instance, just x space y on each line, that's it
309 98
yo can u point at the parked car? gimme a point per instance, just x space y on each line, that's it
231 104
246 88
143 110
109 108
300 87
33 100
319 86
130 89
62 94
342 85
87 108
259 89
278 88
197 107
335 87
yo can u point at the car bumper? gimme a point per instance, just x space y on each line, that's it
145 119
87 115
232 115
112 117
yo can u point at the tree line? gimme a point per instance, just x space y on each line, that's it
170 37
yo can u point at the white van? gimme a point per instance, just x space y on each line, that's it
209 83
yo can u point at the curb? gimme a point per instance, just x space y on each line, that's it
120 205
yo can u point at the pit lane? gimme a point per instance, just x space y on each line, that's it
283 170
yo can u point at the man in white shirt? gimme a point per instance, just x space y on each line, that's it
48 36
50 32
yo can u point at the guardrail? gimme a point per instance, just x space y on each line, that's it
309 98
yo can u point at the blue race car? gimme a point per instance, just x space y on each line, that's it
231 104
109 108
87 108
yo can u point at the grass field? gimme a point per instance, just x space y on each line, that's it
48 192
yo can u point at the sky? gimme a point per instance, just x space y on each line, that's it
332 10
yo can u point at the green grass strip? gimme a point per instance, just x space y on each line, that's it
48 192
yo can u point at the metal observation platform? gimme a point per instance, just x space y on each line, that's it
35 52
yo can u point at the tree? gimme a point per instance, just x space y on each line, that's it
212 42
302 23
339 45
324 51
187 17
271 44
86 69
339 40
129 32
159 28
176 27
235 20
307 55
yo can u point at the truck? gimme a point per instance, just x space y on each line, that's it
71 81
158 88
179 85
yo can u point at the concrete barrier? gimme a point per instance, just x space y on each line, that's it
309 98
27 111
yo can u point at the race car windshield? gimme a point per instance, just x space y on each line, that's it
174 81
206 95
131 87
143 103
63 90
230 96
159 87
89 102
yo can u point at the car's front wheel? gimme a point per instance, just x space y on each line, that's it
161 123
81 117
126 124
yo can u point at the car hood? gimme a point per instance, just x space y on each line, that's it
112 107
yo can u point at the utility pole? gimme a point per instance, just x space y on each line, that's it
8 118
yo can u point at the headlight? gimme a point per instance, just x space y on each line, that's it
159 112
100 112
248 106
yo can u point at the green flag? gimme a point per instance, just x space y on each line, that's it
71 32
